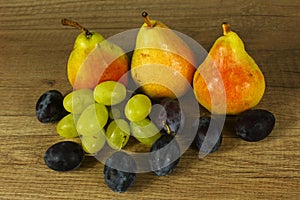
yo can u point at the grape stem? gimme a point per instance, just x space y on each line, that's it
168 128
68 22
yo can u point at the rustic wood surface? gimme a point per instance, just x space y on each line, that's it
34 49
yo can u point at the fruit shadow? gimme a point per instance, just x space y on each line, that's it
89 162
143 182
230 139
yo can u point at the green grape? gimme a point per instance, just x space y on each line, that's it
145 131
76 101
93 143
92 119
109 93
66 127
138 107
118 133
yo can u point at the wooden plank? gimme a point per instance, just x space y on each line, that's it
242 166
34 49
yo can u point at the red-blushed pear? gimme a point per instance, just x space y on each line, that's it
162 63
94 59
228 64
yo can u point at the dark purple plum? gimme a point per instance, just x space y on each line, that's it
254 125
119 180
201 126
168 115
165 155
49 107
64 156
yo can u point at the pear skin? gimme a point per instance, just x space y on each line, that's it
105 62
94 60
162 63
82 48
228 71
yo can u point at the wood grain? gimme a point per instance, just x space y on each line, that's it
34 49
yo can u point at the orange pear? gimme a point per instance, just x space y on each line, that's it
228 71
162 63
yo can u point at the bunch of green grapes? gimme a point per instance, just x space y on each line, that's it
89 112
98 116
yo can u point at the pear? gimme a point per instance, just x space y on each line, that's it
228 81
94 59
162 64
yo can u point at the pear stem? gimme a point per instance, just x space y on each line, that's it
68 22
146 19
226 28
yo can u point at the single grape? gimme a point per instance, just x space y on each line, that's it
66 127
201 127
168 115
92 119
165 155
138 107
119 180
76 101
93 143
117 134
254 125
49 107
145 131
109 93
64 156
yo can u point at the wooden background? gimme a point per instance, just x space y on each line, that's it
34 49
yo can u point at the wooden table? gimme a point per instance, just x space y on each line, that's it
34 49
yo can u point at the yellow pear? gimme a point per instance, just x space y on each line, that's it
228 81
162 63
94 59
